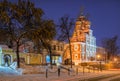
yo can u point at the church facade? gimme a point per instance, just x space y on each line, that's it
83 43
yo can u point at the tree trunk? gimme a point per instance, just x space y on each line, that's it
70 53
50 57
17 53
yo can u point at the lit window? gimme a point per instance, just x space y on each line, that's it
48 59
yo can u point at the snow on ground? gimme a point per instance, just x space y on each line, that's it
10 74
4 71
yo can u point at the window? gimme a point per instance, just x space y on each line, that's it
54 47
58 48
76 56
61 48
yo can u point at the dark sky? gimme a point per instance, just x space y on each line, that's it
104 14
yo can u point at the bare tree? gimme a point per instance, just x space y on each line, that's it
111 47
65 28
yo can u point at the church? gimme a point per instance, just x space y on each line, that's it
83 43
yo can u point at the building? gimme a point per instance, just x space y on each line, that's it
57 52
8 56
83 43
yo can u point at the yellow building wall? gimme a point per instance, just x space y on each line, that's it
33 59
30 58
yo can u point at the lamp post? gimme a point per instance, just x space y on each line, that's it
115 60
98 56
99 59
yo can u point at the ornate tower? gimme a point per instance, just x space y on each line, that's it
82 27
83 43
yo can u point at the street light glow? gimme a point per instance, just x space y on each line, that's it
115 59
98 56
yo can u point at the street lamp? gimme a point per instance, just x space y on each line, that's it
115 59
100 68
98 56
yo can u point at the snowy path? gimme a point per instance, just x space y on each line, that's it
4 71
54 77
8 74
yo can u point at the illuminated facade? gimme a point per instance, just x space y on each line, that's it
9 55
83 46
57 52
29 56
83 43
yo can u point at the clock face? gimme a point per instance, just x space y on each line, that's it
75 47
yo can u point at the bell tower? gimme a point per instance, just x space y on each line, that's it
82 27
83 43
78 39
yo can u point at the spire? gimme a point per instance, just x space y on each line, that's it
81 14
87 16
81 11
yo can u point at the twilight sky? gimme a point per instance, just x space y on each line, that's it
104 14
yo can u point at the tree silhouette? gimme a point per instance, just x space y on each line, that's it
65 28
111 47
